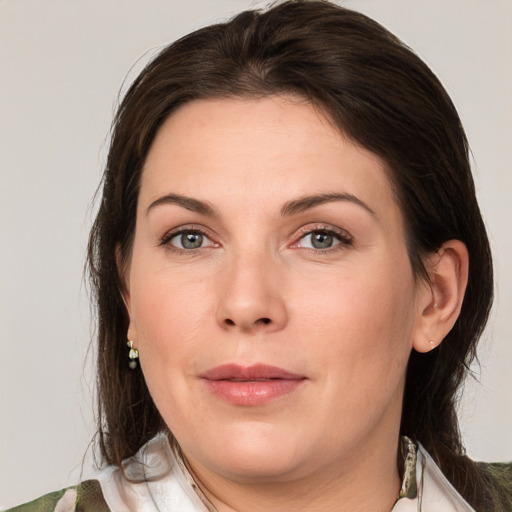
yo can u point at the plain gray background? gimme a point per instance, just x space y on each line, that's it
62 63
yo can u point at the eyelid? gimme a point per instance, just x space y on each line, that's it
343 236
186 228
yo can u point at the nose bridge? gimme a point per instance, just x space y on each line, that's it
251 296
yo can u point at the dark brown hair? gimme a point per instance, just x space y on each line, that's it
380 94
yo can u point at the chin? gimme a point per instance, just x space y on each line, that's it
251 467
255 454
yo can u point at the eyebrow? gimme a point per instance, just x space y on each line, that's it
194 205
304 203
290 208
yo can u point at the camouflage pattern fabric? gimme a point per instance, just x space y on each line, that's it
85 497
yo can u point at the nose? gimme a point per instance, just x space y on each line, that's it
251 297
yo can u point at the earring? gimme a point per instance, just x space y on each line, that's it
432 345
133 355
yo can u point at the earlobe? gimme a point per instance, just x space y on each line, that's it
441 298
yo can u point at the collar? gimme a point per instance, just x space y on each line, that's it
409 452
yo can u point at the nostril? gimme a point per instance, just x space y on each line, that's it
264 321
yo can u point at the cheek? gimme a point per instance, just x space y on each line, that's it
169 314
362 328
376 300
170 326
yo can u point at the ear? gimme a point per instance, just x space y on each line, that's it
124 277
440 299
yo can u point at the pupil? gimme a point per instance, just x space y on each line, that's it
191 240
321 241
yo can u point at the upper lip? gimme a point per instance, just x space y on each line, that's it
237 372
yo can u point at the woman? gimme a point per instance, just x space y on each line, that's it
289 243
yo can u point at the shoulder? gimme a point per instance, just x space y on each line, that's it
500 476
498 471
85 497
437 492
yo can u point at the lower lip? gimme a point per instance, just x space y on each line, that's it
251 393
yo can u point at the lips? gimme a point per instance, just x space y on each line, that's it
250 386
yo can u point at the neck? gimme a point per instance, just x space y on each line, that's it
367 482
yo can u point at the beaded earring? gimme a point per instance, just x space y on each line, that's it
133 356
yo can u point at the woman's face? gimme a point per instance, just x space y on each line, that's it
270 291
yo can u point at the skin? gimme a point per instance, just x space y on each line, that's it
344 317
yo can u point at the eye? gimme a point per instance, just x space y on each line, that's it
323 239
318 240
188 240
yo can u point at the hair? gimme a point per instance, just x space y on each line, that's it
382 96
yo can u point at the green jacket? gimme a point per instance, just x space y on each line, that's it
87 496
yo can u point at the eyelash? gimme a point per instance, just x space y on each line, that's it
341 236
183 230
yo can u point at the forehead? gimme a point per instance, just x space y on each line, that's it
258 150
